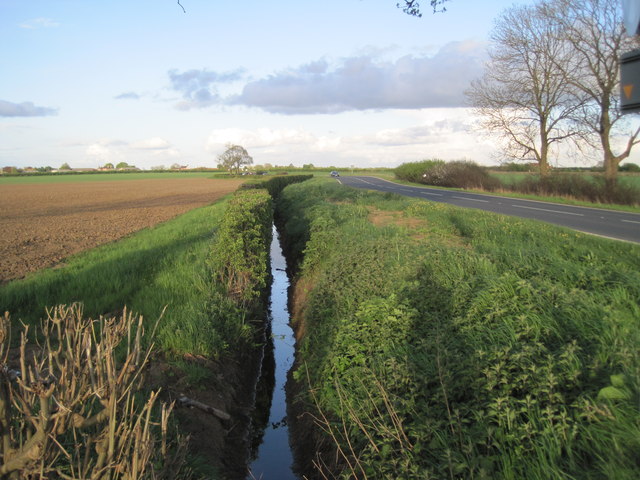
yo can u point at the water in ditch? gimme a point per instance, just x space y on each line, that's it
272 453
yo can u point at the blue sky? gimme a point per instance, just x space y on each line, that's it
337 82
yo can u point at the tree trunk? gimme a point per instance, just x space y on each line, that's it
543 161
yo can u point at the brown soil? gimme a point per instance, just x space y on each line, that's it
42 224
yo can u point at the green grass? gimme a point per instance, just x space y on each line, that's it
154 268
101 177
450 343
509 178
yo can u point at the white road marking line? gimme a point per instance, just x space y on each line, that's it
630 221
434 194
471 199
548 210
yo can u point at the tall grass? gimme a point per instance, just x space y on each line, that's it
448 343
581 187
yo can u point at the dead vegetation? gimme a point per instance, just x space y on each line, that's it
71 405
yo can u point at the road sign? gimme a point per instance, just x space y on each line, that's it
630 82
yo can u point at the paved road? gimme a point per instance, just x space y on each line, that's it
606 223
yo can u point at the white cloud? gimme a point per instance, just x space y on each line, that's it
258 138
198 87
128 96
40 22
369 81
24 109
362 83
139 153
441 133
99 152
155 143
430 133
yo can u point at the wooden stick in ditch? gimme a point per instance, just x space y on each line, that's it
185 401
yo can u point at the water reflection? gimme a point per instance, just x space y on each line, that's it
273 457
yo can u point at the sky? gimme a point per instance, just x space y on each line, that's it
332 83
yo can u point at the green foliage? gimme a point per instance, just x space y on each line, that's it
460 175
463 344
275 185
240 256
629 167
413 171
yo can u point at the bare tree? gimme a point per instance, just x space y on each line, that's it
595 33
522 95
234 158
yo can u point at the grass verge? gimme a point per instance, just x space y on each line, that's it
437 342
157 267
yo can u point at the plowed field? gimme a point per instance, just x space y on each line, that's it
42 224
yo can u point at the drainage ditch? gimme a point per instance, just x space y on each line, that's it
271 453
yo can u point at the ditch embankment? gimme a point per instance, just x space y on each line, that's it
206 275
438 342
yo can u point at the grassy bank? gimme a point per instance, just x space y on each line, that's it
206 274
157 267
442 343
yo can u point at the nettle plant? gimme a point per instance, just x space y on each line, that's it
70 409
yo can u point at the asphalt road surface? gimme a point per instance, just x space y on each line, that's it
605 223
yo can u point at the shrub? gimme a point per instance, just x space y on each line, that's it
412 172
460 175
240 259
629 167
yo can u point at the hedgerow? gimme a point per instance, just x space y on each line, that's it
455 344
239 265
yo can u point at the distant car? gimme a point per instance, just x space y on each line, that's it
335 174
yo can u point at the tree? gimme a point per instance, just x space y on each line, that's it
594 30
522 96
108 166
123 165
234 158
65 166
